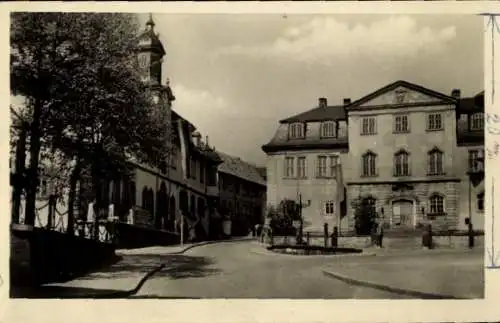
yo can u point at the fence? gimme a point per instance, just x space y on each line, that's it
417 238
48 216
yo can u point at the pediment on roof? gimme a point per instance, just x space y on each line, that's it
402 93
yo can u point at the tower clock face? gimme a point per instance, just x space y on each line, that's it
143 61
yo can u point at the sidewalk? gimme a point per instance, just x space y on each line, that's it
122 279
423 274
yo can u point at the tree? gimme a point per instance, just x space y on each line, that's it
79 75
364 216
283 215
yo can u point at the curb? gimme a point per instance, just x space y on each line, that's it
270 253
204 243
386 288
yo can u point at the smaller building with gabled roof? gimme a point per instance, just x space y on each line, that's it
242 191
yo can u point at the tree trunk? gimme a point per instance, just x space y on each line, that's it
75 176
96 189
32 183
18 176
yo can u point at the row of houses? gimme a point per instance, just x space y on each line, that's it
195 189
412 154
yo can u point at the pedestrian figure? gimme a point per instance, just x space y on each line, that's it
380 233
373 234
470 232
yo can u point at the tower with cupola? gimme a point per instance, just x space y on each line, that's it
151 55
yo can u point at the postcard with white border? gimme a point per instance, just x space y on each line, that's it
250 162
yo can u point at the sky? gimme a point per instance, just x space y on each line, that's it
236 76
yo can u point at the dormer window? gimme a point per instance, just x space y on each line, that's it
296 130
328 129
477 121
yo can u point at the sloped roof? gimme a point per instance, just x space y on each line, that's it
155 44
473 104
336 112
235 166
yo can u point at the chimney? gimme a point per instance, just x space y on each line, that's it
456 93
322 103
347 101
197 139
206 142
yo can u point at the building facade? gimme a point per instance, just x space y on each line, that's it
242 191
404 150
302 162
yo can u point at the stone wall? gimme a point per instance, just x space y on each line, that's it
20 271
132 236
42 256
399 243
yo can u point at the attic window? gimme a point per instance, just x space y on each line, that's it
328 129
296 130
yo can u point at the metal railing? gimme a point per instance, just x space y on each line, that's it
104 230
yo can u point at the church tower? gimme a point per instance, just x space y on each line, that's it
150 57
151 53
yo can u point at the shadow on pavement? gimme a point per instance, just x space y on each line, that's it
181 266
127 266
174 266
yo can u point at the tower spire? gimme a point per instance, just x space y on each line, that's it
150 24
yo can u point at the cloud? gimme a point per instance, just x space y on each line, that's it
194 100
201 107
327 38
227 125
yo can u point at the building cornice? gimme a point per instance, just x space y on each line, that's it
277 147
410 180
400 106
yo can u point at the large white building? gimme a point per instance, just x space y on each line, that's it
411 153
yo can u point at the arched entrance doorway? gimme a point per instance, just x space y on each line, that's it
183 201
201 234
403 213
192 207
184 208
161 207
171 213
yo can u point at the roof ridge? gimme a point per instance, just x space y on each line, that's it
315 110
236 166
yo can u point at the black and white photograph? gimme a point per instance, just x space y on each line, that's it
247 156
